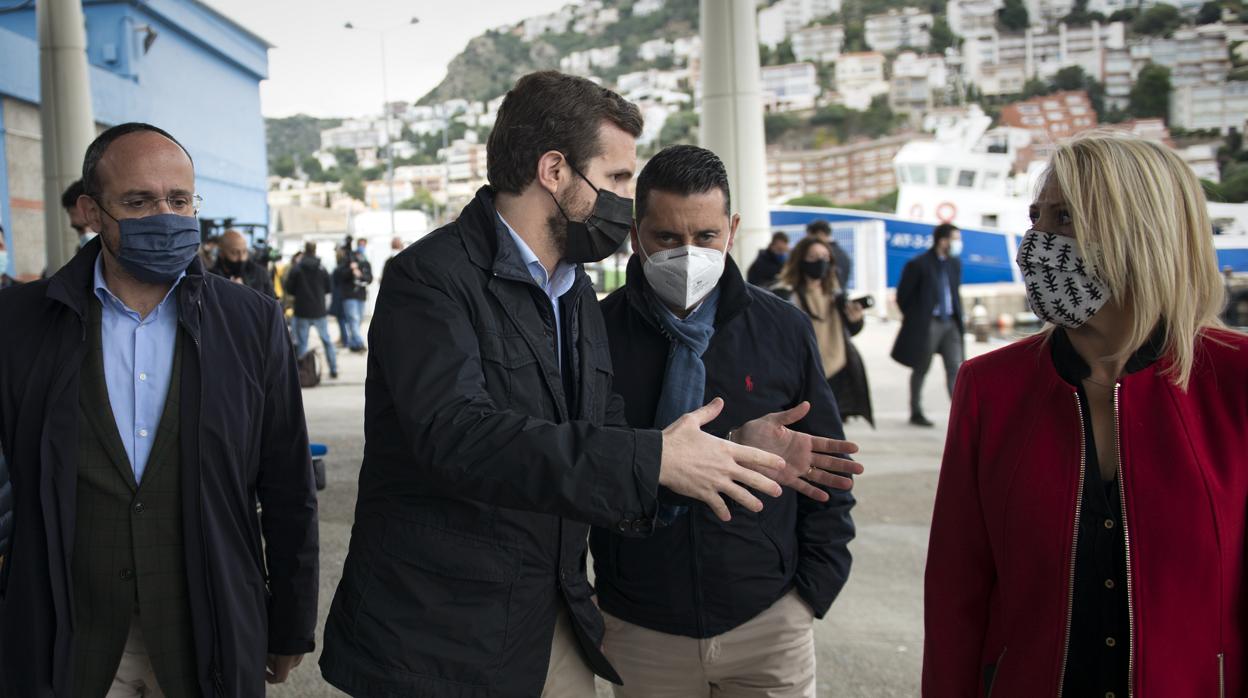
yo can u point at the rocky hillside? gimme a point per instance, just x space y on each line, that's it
492 62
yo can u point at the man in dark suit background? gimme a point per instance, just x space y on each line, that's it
931 314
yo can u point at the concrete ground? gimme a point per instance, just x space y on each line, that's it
870 644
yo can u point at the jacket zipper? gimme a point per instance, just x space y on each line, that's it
1126 536
1221 675
996 673
1074 546
214 664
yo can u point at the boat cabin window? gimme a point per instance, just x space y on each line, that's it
943 174
966 179
989 220
918 174
991 179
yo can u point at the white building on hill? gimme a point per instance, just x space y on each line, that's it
791 87
860 78
895 29
821 43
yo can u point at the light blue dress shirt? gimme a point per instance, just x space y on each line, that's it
138 365
554 285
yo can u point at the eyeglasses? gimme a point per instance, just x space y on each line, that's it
181 204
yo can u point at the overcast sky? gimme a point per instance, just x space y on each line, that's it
317 67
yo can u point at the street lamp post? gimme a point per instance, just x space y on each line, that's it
385 109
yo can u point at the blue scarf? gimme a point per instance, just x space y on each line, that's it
684 380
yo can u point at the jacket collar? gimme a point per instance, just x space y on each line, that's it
486 239
490 247
1072 369
734 296
71 285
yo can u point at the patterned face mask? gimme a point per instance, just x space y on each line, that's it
1063 287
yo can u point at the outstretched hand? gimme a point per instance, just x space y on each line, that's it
807 459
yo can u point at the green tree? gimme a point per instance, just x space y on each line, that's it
422 201
680 127
1071 78
776 124
1210 13
855 36
1079 15
312 168
784 53
1035 87
1127 14
879 118
1013 16
346 157
1150 95
810 200
942 36
284 166
1158 20
1235 188
353 185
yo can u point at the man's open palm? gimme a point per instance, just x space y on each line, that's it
808 460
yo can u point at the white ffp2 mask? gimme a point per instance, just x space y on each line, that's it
683 276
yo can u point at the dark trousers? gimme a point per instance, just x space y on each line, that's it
944 339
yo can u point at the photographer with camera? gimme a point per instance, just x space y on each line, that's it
811 281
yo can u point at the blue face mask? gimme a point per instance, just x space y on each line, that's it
157 249
4 261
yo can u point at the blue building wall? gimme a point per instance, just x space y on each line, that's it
200 81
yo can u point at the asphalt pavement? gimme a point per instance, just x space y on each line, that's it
871 642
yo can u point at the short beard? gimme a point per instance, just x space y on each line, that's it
557 223
557 229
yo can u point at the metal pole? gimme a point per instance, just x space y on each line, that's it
385 108
65 115
732 114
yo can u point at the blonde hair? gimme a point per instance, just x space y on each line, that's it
1139 213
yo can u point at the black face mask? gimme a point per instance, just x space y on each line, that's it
815 270
595 238
232 268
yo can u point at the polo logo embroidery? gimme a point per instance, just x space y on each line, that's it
749 384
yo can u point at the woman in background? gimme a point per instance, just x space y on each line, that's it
809 281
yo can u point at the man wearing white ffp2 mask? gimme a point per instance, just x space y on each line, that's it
686 329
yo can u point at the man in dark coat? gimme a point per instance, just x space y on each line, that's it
309 283
766 267
234 262
931 309
138 554
493 439
752 585
352 277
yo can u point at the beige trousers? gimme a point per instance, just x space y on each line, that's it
770 656
135 676
567 675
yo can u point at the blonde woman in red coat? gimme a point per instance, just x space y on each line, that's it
1089 531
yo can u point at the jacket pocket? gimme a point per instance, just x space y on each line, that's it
438 604
503 360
